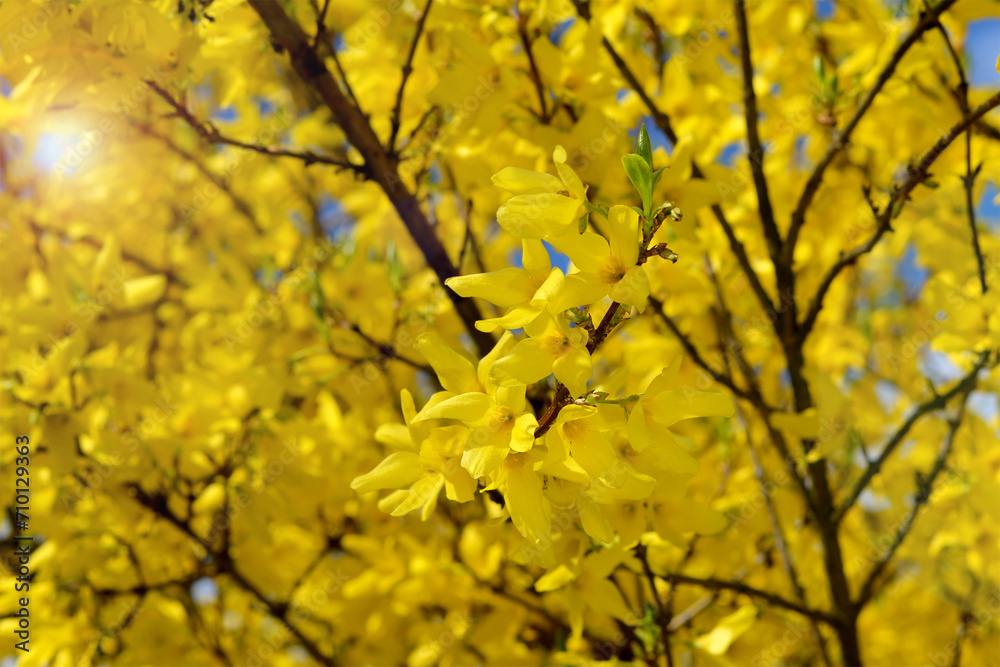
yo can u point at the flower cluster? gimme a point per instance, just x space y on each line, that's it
612 465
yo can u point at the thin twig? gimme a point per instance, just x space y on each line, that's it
158 505
321 24
743 589
397 108
842 138
170 275
211 135
755 151
382 166
969 180
692 351
661 612
938 402
240 204
922 496
536 75
900 194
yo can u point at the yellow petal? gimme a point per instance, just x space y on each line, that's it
538 216
399 469
485 452
690 516
535 259
504 288
516 317
633 288
145 290
578 289
529 509
523 435
423 493
511 397
588 250
573 412
554 579
455 372
595 455
501 349
210 499
573 183
803 424
574 369
603 597
666 379
729 629
393 435
530 361
547 291
623 234
670 453
594 524
639 435
525 182
674 405
468 408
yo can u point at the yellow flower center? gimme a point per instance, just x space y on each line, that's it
575 428
503 419
558 345
515 460
612 271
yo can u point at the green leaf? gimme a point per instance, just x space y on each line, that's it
583 222
596 208
643 147
819 69
642 178
656 176
396 269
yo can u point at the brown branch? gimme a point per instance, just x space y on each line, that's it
397 108
938 402
321 24
987 130
842 138
207 131
961 632
692 351
170 275
755 149
387 350
756 396
727 332
382 166
662 619
536 75
562 396
900 194
782 546
925 487
743 589
659 50
343 79
239 203
969 180
158 505
751 396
